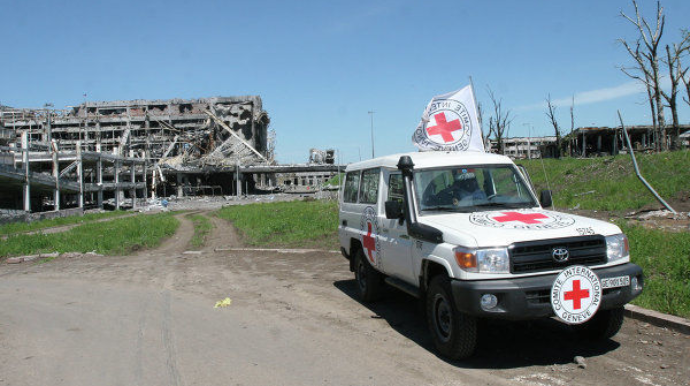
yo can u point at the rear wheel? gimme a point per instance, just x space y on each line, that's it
369 281
603 325
454 333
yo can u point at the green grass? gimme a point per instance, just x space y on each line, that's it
665 259
22 227
297 224
202 227
335 181
119 236
613 180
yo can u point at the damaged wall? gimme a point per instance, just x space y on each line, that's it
175 132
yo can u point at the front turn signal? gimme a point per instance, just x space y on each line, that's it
466 260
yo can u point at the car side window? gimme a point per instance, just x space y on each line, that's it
351 187
395 188
369 188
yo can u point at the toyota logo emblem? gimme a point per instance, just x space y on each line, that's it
560 254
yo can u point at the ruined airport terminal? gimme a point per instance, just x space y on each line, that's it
120 153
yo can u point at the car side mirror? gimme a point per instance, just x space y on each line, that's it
546 199
394 210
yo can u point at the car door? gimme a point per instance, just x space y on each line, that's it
396 243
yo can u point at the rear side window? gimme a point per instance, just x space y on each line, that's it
369 188
351 187
395 188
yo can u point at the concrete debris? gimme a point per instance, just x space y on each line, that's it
52 255
584 193
580 362
321 157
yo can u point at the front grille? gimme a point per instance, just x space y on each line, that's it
536 256
538 297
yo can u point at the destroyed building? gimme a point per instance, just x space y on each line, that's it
586 142
129 150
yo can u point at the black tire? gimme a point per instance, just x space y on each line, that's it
454 333
603 325
369 281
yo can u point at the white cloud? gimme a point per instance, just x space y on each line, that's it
594 96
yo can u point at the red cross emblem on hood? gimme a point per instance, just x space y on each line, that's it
525 218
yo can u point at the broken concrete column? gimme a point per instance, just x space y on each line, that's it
56 175
133 178
25 164
99 176
118 190
180 190
80 175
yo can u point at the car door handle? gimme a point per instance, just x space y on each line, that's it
344 223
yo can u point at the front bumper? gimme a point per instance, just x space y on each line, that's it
529 297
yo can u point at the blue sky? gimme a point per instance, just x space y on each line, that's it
320 66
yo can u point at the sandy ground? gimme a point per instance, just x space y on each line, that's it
148 319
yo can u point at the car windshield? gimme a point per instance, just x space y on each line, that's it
470 189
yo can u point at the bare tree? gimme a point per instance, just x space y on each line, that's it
685 77
499 122
551 114
686 82
646 55
676 76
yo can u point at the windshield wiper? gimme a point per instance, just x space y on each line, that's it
440 208
505 204
453 209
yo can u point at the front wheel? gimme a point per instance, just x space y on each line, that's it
369 281
603 325
454 333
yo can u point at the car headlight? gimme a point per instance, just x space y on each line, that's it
617 247
493 260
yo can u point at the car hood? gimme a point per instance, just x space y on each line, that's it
505 227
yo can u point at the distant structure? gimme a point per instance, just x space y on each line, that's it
585 142
100 153
524 147
600 141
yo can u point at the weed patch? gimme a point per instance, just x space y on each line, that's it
202 227
300 224
610 183
119 236
20 227
665 259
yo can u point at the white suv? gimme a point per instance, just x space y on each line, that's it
465 232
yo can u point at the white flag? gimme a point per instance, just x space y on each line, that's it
450 123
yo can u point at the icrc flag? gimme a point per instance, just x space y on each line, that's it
450 123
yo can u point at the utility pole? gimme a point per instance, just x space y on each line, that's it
371 114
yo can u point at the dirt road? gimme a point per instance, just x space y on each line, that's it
148 319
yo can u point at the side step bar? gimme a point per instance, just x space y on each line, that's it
403 286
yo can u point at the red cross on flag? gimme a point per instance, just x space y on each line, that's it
450 123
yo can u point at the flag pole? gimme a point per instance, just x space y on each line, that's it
476 107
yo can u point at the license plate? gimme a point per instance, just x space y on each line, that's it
615 282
